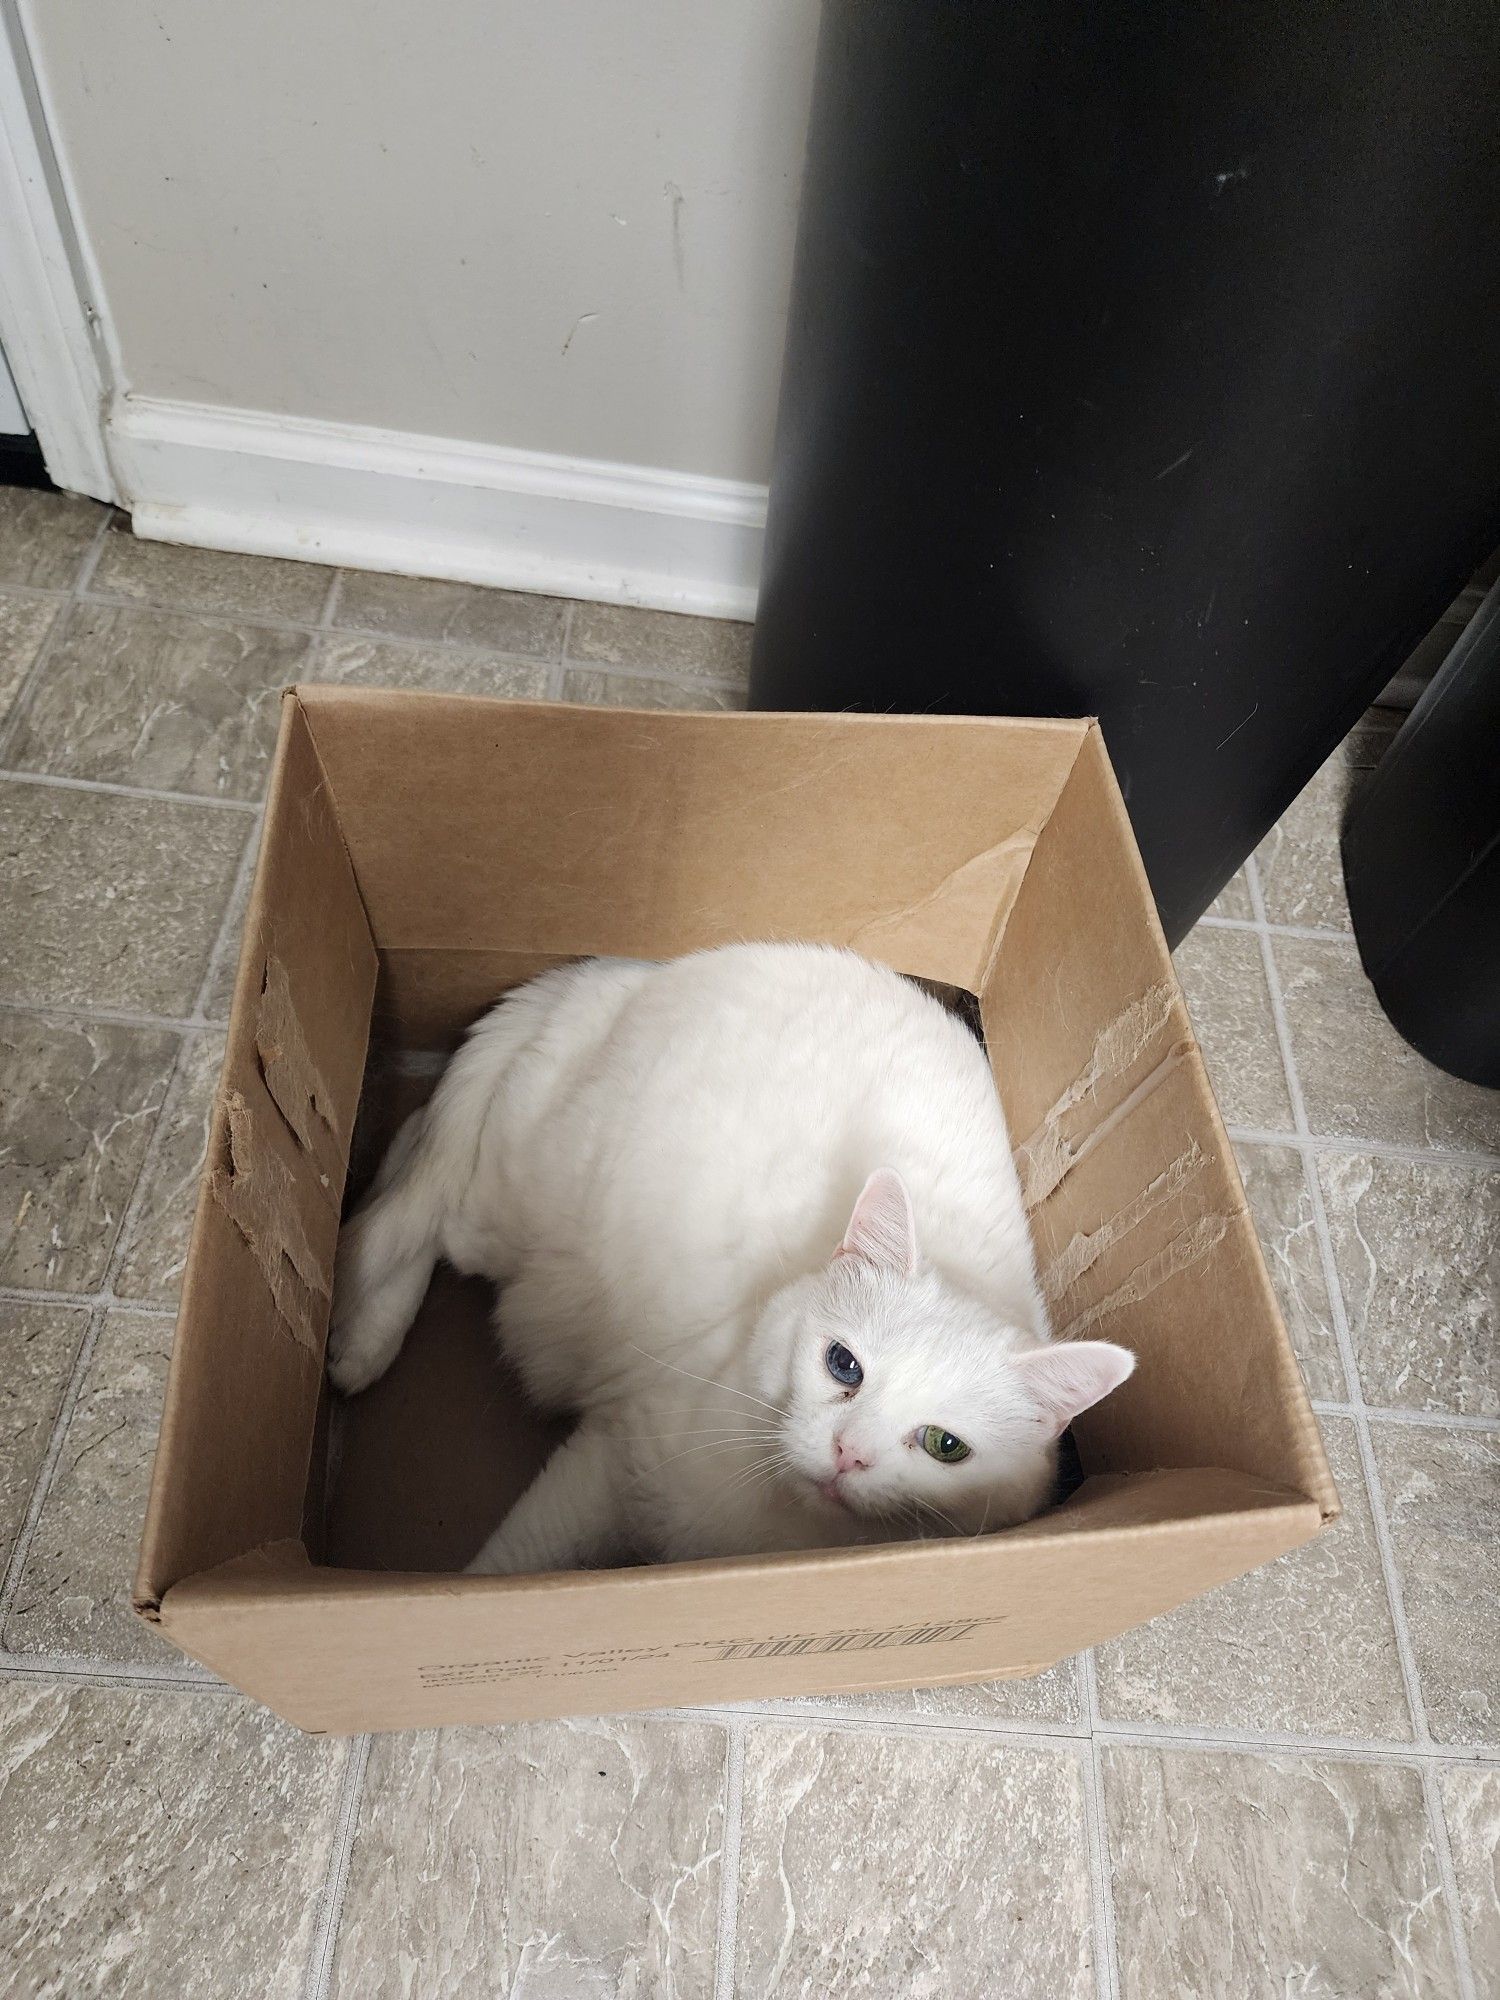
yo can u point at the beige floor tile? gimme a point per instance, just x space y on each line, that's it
164 699
74 1591
80 1101
1417 1245
565 1858
1260 1878
1304 1645
108 901
441 669
1276 1189
1051 1696
1442 1498
24 624
618 635
1359 1079
38 1346
153 1263
208 579
1301 874
1471 1808
1225 983
1302 880
159 1843
218 990
1233 900
635 691
503 621
44 537
880 1865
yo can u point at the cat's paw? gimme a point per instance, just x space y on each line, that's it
354 1360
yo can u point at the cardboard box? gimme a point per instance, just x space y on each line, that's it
424 853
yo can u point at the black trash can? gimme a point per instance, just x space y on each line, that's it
1421 849
1142 362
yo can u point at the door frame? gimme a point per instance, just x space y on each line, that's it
50 324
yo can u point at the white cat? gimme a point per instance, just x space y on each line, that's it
756 1223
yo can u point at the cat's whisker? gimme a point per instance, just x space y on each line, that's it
721 1388
714 1444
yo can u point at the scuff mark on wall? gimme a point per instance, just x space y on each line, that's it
678 200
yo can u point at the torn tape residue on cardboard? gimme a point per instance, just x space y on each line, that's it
258 1192
291 1077
1047 1157
1186 1249
1084 1249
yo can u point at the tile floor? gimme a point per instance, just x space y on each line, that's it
1291 1787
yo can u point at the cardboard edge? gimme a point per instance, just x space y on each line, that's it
313 695
280 1572
147 1588
1320 1488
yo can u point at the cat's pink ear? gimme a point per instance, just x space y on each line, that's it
1071 1376
882 1230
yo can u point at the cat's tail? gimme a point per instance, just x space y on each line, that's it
387 1250
388 1247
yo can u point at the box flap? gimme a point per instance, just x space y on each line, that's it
574 831
348 1650
1141 1226
242 1392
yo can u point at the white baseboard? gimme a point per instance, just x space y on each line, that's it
390 500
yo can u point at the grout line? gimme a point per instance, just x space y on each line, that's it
729 1862
1319 1144
1286 1743
105 1300
1101 1868
1447 1875
183 1678
1040 1735
1385 1542
26 693
242 874
674 676
908 1725
30 1295
41 592
109 1017
792 1713
11 1583
320 1964
115 791
330 602
1313 933
324 625
559 670
1433 1420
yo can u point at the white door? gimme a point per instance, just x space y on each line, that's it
12 417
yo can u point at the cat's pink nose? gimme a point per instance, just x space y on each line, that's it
848 1457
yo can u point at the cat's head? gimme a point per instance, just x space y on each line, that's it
906 1401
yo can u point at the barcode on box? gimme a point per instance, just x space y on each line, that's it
780 1645
791 1644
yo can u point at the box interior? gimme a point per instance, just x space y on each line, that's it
426 853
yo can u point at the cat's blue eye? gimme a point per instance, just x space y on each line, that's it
842 1366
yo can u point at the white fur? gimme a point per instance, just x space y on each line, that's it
689 1180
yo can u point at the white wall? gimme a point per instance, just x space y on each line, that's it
557 227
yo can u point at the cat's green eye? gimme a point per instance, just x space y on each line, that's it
943 1445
